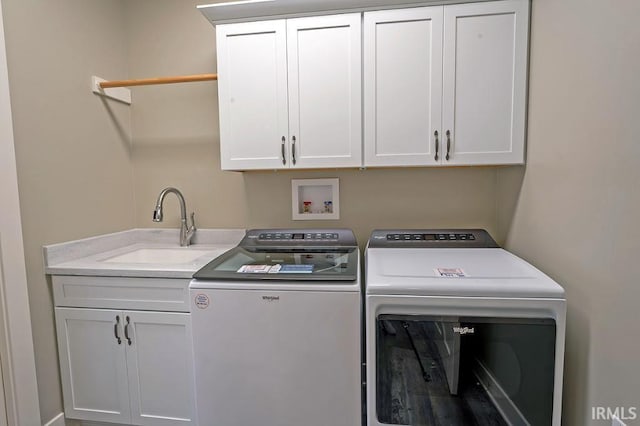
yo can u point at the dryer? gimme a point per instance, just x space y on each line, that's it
459 332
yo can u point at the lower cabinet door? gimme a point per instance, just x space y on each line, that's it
160 368
93 364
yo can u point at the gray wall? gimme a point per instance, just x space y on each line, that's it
176 142
72 150
574 212
571 213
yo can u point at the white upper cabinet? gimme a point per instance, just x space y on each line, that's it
402 86
428 86
301 111
325 91
484 89
446 85
252 93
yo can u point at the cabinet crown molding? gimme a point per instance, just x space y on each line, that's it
260 10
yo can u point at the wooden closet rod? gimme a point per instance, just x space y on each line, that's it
161 80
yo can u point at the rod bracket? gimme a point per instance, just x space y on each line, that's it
120 94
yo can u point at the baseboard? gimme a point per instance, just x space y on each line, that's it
499 397
60 420
56 421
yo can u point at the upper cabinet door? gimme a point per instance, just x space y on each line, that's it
252 92
484 82
402 86
325 93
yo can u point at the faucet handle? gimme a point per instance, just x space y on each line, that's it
193 222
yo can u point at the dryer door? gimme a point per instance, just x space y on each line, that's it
447 370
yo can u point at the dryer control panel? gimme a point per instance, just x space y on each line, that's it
432 238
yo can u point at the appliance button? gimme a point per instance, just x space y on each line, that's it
471 237
406 236
396 237
417 237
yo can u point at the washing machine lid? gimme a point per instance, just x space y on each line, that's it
288 255
461 272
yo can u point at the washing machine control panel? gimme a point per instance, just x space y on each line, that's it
307 236
299 238
432 238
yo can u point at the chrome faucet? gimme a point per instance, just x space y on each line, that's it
186 231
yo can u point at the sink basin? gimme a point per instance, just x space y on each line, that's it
160 255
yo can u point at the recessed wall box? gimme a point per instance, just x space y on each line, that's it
315 199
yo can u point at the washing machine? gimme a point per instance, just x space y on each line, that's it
277 331
459 332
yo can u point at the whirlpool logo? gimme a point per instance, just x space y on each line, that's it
271 298
464 330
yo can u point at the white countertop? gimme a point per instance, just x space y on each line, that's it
139 253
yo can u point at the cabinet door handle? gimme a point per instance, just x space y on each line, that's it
126 332
293 150
284 159
115 329
448 145
437 144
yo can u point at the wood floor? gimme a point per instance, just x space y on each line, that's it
406 398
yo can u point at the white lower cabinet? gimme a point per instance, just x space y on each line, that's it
126 367
160 367
93 364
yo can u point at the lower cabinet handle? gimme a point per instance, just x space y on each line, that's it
115 329
448 145
126 332
293 150
437 144
284 159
